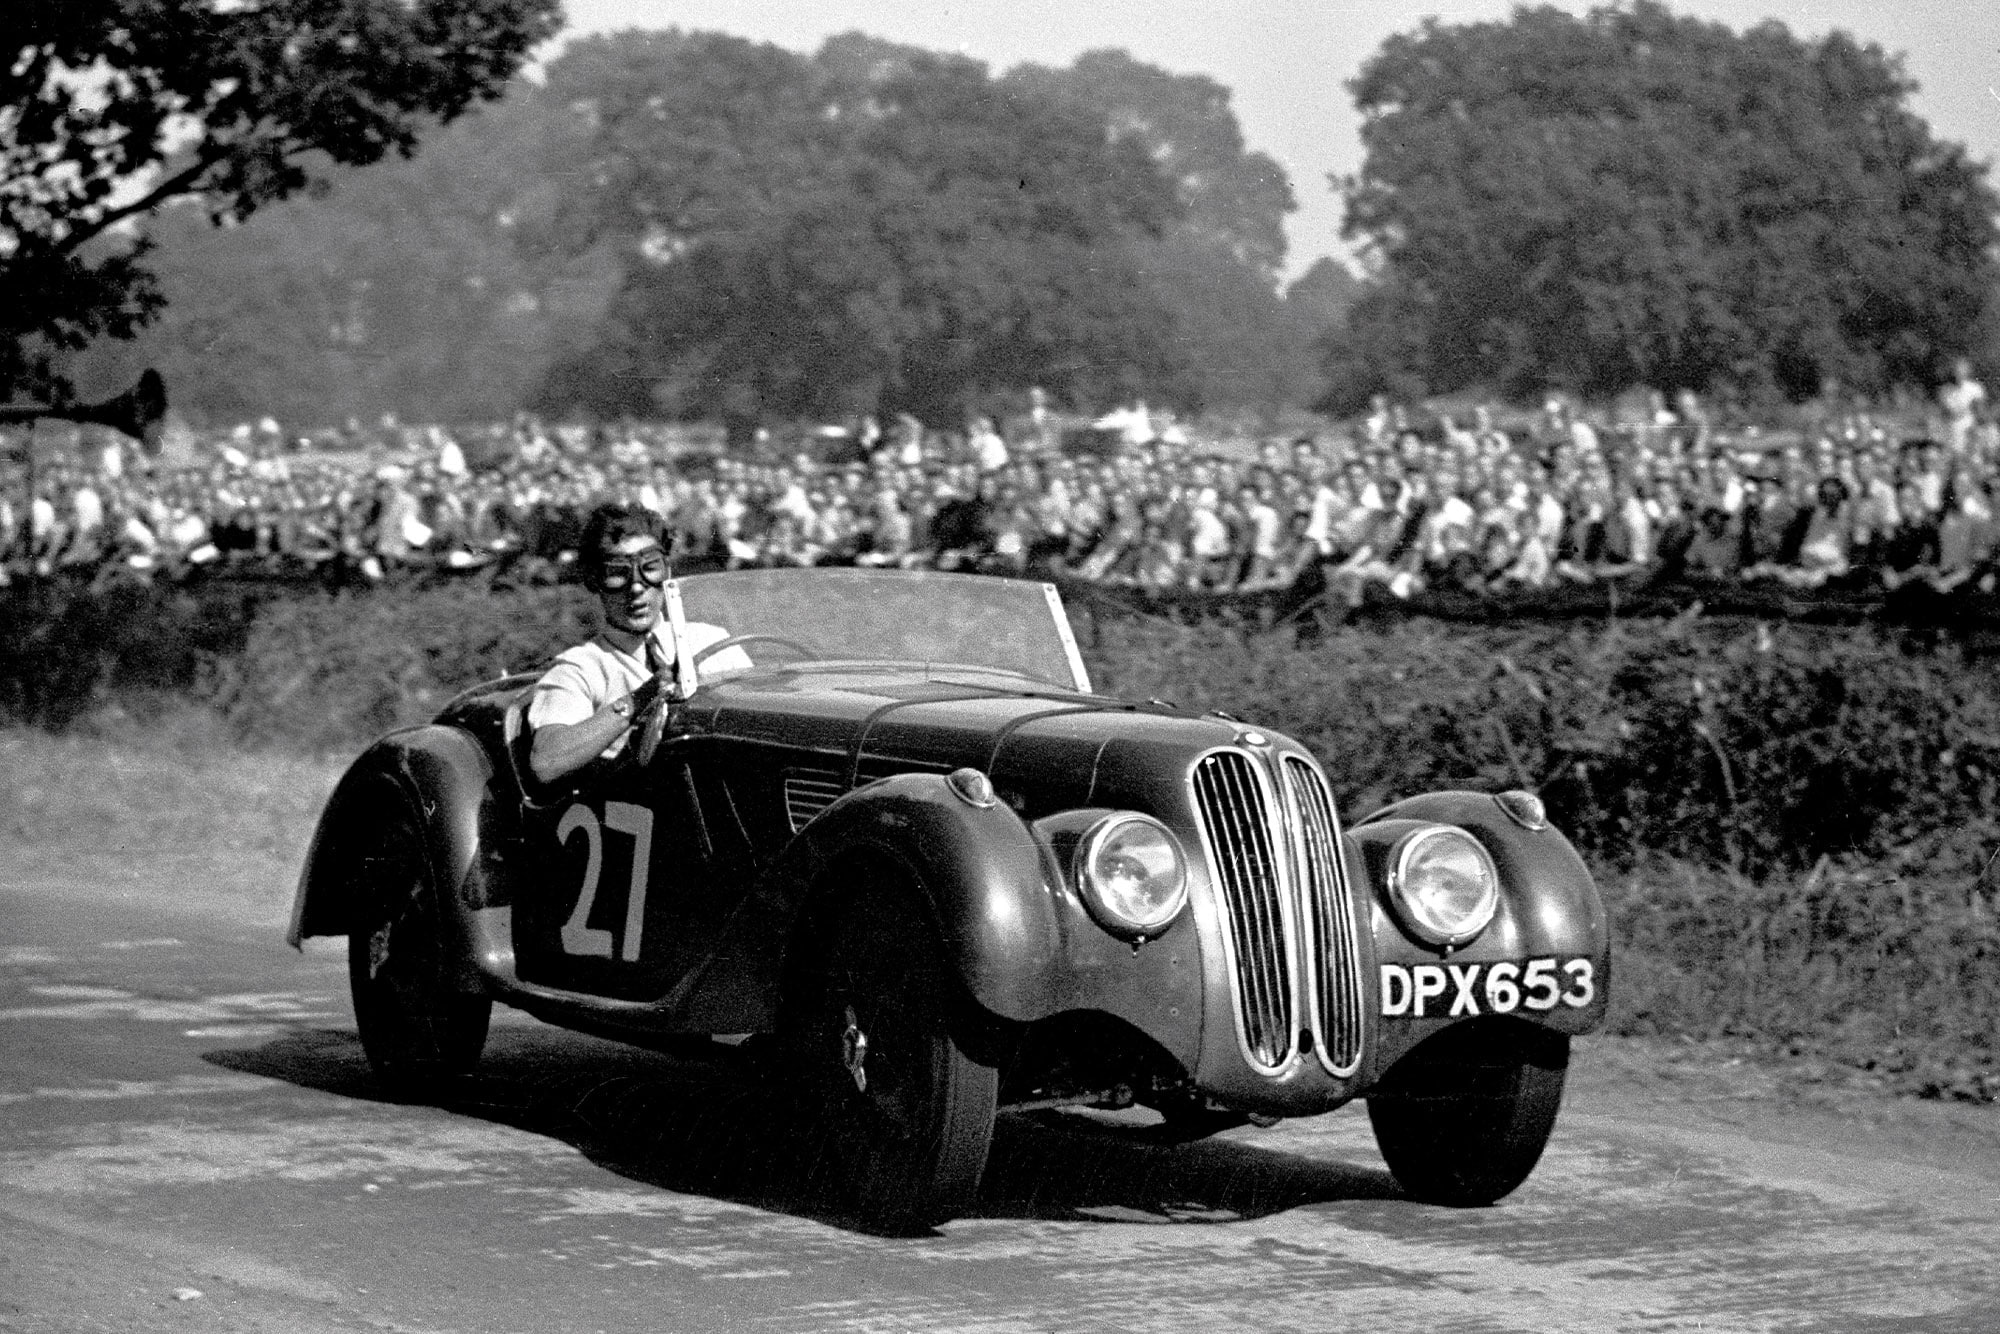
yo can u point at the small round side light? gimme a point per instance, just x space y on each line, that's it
1523 808
971 787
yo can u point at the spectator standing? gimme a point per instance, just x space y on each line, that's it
1962 398
988 446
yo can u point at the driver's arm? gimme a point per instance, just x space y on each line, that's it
559 748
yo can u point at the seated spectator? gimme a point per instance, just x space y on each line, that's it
1628 533
1160 562
1775 516
1823 552
1297 553
1911 551
1965 534
1716 550
1580 549
1389 553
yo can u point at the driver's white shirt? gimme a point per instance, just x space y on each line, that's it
586 678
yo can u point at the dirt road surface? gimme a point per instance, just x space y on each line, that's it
189 1140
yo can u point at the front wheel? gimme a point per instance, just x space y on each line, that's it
899 1117
1464 1117
418 1031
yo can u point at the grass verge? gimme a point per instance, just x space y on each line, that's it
165 808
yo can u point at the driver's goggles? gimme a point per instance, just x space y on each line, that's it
648 567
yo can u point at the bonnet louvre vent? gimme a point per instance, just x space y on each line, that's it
808 792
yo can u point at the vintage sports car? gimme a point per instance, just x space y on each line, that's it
944 879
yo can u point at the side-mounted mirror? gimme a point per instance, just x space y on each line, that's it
681 683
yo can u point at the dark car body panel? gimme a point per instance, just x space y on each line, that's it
772 783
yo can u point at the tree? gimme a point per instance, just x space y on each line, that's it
1233 199
436 288
1215 268
1636 197
879 229
110 109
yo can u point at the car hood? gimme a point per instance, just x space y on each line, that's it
1045 750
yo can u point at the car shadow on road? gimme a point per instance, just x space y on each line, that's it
713 1127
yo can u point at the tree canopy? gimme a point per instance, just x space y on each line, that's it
873 229
109 109
691 224
1636 197
1215 268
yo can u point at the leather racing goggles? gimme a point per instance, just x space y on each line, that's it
619 572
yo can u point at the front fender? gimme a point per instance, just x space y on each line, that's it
438 776
1019 939
1549 908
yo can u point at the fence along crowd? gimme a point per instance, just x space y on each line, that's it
1388 509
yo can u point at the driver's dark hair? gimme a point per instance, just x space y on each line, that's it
609 524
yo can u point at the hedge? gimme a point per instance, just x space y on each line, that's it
1754 747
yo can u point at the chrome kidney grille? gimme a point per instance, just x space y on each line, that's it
1235 817
1274 845
1332 938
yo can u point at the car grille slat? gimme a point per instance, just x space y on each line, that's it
1235 816
1334 963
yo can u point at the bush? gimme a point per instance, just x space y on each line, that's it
67 647
1754 748
334 671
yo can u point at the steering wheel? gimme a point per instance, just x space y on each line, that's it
805 651
651 725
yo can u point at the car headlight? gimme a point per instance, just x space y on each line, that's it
1132 874
1443 885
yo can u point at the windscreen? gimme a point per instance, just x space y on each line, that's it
923 616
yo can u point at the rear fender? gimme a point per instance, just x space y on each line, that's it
443 777
1549 908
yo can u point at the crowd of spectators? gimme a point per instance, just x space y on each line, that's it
1391 506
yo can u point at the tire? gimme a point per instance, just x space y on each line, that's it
1463 1119
898 1119
419 1032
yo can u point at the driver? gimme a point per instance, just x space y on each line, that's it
584 706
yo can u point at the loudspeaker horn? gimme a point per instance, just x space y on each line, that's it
137 412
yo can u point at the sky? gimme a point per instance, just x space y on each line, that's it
1287 62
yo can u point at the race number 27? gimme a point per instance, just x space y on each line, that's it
578 936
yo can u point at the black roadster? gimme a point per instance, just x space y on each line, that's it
940 878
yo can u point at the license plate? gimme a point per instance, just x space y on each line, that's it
1455 990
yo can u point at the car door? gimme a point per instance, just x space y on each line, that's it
622 902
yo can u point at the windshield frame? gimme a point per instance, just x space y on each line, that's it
1051 643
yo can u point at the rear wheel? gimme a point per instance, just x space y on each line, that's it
1464 1117
899 1117
418 1031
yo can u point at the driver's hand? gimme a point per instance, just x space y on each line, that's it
660 685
